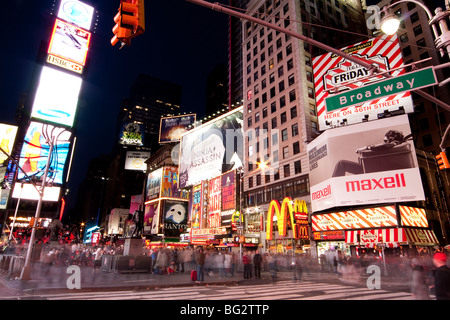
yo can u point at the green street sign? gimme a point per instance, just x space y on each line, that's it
407 82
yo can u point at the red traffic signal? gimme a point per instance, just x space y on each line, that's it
442 161
130 21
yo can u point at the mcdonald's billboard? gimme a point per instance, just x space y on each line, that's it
293 211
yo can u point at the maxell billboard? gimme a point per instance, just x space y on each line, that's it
363 164
334 74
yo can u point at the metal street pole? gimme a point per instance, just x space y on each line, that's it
26 271
372 68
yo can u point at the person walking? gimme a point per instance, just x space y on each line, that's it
419 288
200 261
257 261
227 264
247 266
441 277
97 259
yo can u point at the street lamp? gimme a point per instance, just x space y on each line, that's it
390 24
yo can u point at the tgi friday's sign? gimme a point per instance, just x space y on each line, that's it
334 74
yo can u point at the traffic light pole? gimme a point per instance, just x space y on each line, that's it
372 68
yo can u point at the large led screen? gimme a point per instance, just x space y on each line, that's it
26 191
69 42
36 152
76 12
211 149
333 74
56 97
363 164
7 137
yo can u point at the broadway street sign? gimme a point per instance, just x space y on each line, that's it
407 82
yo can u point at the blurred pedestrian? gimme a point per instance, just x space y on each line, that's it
227 264
200 261
419 287
247 265
97 259
257 261
441 277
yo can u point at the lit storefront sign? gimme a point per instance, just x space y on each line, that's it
356 219
294 210
413 217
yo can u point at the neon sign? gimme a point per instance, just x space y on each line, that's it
292 209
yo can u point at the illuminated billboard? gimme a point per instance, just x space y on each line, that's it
163 183
333 74
69 42
132 134
228 197
26 191
361 164
135 160
76 12
171 128
7 137
214 202
36 149
56 97
211 149
175 217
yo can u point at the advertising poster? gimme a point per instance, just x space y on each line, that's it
413 217
171 128
175 217
381 217
36 151
214 202
195 208
132 134
7 137
135 160
362 164
153 186
69 42
211 149
228 197
169 184
334 74
151 218
56 97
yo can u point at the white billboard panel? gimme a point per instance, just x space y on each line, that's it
135 160
77 13
211 149
27 191
334 74
363 164
56 97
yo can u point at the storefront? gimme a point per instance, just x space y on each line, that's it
331 241
405 240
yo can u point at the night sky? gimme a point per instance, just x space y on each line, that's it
182 44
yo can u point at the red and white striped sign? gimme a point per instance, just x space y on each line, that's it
356 219
413 217
392 237
333 74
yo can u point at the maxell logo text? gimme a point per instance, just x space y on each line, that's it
322 193
397 181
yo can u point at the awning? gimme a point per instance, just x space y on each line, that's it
393 237
421 237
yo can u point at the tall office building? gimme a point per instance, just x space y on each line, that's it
429 121
279 100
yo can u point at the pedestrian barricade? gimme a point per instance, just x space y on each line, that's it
126 264
12 265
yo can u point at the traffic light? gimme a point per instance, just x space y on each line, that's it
130 21
442 161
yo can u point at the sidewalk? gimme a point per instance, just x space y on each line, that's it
55 281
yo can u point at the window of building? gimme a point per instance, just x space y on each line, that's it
272 77
275 138
258 179
288 49
285 152
292 96
286 170
274 123
264 112
295 129
417 30
272 92
280 71
283 118
249 122
290 64
281 86
250 182
291 80
284 135
297 167
273 107
256 117
293 112
296 147
282 101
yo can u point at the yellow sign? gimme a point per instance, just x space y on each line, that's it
289 208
